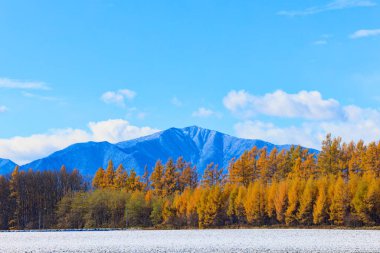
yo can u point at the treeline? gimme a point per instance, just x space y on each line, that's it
28 200
340 186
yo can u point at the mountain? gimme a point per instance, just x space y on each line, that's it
197 145
6 166
87 157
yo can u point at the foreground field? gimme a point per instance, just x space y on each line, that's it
245 240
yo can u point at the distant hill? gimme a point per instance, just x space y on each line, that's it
197 145
6 166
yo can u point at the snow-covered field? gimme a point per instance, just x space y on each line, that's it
245 240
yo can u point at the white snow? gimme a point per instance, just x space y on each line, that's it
245 240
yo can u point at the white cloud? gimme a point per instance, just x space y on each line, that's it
278 135
359 123
350 122
118 97
175 101
117 130
203 112
304 104
331 6
3 108
25 85
365 33
25 149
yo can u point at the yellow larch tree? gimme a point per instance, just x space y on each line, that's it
156 178
339 202
255 203
305 212
98 181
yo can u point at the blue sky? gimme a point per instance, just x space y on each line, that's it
286 72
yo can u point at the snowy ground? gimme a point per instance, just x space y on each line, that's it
247 240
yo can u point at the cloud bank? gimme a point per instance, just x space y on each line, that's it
25 149
318 117
304 104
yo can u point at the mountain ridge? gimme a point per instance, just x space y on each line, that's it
196 145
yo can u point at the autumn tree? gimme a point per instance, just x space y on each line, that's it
145 179
109 175
16 200
170 178
98 182
121 177
133 182
243 170
270 207
281 200
339 202
366 200
210 210
294 193
137 210
320 210
255 203
156 178
329 158
4 203
212 175
305 212
188 177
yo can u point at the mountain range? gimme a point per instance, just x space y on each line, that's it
196 145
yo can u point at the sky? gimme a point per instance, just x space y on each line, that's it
288 72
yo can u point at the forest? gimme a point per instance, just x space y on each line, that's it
340 186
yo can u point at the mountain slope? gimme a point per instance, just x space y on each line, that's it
6 166
197 145
87 157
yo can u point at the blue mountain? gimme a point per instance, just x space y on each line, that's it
6 166
196 145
